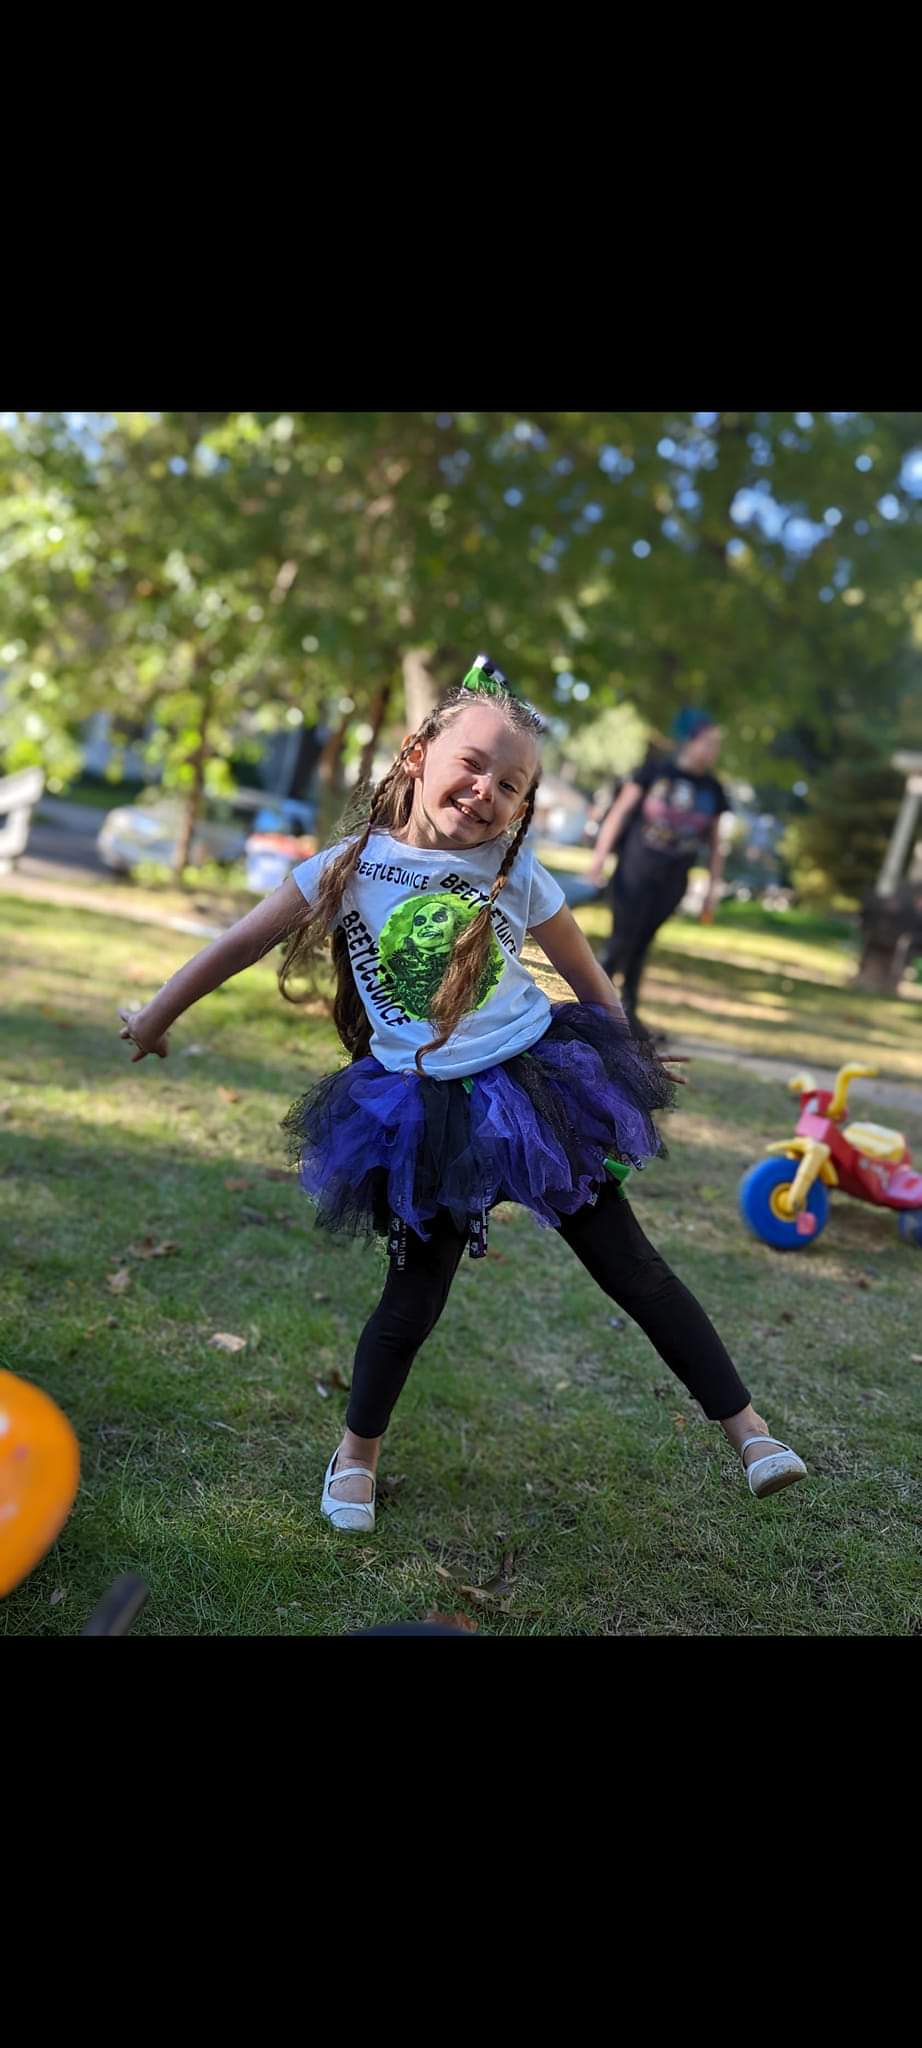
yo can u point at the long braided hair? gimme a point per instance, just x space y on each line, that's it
385 808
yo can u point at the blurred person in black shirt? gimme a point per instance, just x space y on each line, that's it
664 821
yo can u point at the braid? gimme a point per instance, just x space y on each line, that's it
387 804
515 844
457 991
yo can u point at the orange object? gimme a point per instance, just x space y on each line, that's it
39 1476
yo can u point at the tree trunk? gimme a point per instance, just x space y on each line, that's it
377 713
423 682
883 964
329 766
193 803
191 810
891 930
329 779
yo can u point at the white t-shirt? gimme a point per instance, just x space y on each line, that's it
401 912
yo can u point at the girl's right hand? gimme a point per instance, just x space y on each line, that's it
133 1029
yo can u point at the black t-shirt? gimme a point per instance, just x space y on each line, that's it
671 824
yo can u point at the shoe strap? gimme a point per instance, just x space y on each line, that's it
352 1472
759 1439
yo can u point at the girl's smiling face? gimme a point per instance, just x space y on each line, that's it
470 783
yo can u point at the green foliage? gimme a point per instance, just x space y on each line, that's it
220 576
836 850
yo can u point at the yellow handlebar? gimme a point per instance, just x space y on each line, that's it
854 1070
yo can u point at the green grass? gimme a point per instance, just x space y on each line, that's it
771 990
534 1441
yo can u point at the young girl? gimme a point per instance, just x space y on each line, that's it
467 1087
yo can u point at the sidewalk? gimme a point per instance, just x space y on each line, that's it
47 882
888 1094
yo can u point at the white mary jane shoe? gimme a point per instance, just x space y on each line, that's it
768 1475
348 1514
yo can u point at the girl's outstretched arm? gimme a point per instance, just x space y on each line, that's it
245 942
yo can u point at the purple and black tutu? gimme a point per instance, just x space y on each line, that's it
379 1151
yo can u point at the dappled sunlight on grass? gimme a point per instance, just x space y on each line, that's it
538 1423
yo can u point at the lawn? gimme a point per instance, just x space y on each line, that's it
544 1475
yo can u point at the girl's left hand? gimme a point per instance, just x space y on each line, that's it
676 1059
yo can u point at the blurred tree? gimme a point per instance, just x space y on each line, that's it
835 852
609 746
209 574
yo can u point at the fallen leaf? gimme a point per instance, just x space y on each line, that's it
323 1391
498 1588
317 1296
117 1282
915 1358
224 1340
679 1422
149 1248
616 1323
458 1620
390 1485
57 1596
276 1173
229 1094
235 1186
336 1379
255 1216
560 1386
708 1194
441 1571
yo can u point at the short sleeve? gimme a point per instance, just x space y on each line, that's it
308 872
545 898
721 799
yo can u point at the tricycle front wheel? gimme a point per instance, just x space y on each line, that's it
760 1206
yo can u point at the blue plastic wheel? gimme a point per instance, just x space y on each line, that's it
758 1196
911 1226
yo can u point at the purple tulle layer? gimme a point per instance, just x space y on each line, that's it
371 1145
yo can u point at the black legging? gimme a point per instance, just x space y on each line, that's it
642 902
609 1242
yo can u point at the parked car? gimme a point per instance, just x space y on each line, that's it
278 843
561 812
149 830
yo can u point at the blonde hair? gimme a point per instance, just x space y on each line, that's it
383 809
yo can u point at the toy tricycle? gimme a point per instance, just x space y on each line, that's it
788 1207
